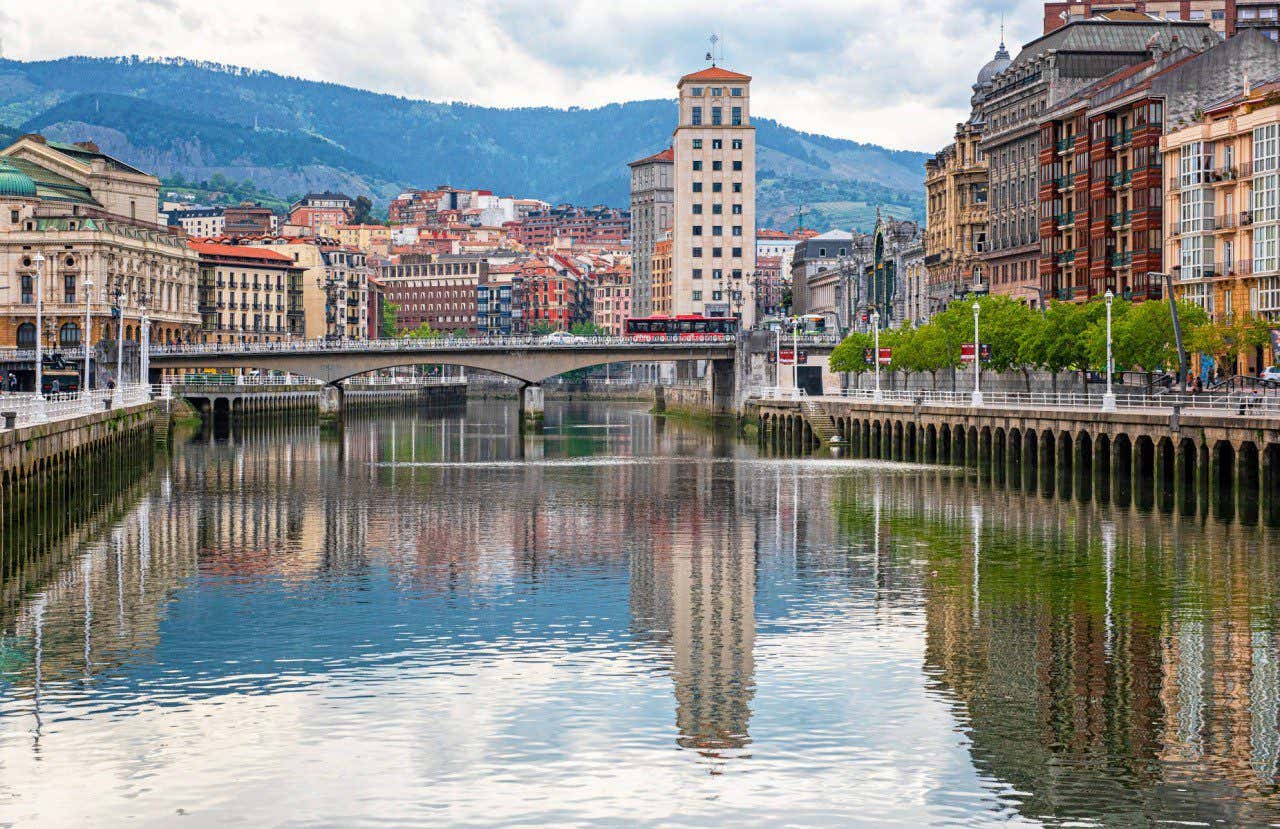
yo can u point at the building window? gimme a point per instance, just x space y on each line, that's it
737 187
26 287
697 273
697 209
1264 148
737 166
737 230
697 187
697 165
697 143
697 253
717 208
13 216
69 335
697 230
697 116
737 253
735 91
27 335
717 165
717 230
737 210
717 274
696 91
717 144
717 252
737 116
717 117
717 187
697 296
69 288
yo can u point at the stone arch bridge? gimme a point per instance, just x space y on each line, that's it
530 361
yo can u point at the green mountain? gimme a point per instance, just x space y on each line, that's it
288 135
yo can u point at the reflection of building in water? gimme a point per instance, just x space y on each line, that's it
1098 657
693 584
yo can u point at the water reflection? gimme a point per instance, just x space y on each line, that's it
627 621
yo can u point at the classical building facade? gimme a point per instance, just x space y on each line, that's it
248 294
1046 72
335 285
440 291
652 207
955 236
1226 17
93 219
1103 180
713 233
1224 226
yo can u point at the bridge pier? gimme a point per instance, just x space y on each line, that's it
532 407
331 405
723 400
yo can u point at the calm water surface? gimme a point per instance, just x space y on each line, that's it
627 622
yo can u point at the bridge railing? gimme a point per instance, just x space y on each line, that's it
438 344
31 409
1252 404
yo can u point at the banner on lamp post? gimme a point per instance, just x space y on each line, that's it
869 356
886 356
966 352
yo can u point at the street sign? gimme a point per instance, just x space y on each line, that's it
886 356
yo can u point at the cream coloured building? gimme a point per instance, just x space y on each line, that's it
714 229
93 219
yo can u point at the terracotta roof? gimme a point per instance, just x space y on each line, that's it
666 155
715 73
239 252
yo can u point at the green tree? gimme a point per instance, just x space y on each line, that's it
930 351
424 331
541 328
390 319
849 355
1056 341
1003 324
587 329
362 211
1226 341
1142 335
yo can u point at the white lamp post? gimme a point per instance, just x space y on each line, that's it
119 394
977 357
144 356
88 328
875 354
38 259
795 354
1109 399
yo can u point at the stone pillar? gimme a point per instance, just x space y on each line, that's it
531 407
659 398
331 404
722 387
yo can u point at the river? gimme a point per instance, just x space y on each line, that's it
627 621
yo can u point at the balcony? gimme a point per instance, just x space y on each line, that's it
1121 219
1122 259
1121 138
1122 179
1064 294
1066 219
1067 257
1067 182
1227 175
1064 145
1225 223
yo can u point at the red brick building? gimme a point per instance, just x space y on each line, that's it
437 290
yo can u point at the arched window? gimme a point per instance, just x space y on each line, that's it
27 335
69 335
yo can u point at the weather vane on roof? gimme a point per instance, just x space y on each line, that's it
711 55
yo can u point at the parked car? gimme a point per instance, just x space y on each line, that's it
1270 376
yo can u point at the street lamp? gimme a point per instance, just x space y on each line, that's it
976 400
144 355
1109 399
88 328
875 354
38 259
119 294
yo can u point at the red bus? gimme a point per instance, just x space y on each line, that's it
683 326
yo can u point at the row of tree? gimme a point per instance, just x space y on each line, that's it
1065 337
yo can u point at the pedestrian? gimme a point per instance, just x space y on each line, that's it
1197 386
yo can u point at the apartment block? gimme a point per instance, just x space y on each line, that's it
652 206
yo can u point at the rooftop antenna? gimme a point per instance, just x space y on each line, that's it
711 55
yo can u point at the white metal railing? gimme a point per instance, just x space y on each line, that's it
777 393
31 409
1237 403
443 344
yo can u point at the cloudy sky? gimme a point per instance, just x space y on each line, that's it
891 73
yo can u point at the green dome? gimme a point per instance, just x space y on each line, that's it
15 183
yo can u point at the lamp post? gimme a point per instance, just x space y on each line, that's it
88 328
119 393
976 400
1109 399
144 354
875 354
38 259
795 353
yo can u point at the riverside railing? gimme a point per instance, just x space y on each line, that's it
29 409
454 344
1249 404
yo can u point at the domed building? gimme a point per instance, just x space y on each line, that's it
93 219
955 234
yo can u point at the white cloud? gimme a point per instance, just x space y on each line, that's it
896 74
